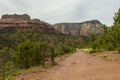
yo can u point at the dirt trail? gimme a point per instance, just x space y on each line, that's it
80 66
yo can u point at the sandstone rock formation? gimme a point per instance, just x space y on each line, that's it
17 22
93 27
24 16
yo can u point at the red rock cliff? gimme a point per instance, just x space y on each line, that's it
24 22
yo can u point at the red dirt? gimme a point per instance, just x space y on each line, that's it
79 66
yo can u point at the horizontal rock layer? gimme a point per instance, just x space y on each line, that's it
18 22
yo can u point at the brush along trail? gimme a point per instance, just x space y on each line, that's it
79 66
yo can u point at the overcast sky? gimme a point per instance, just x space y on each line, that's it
56 11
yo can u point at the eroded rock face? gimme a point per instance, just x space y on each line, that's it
93 27
24 22
24 16
36 20
16 22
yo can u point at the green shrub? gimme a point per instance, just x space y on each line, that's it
59 52
10 78
64 50
118 49
104 57
67 49
28 54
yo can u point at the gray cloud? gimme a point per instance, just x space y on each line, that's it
55 11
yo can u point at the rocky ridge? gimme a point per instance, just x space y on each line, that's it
17 22
92 27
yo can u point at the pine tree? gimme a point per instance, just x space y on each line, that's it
117 17
115 30
111 38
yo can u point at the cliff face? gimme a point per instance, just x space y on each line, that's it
93 27
24 22
17 22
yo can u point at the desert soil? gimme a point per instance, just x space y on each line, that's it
79 66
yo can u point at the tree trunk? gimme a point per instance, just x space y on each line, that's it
43 58
52 56
3 72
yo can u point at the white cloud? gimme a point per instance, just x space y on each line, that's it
55 11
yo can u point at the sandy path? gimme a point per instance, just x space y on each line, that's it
80 66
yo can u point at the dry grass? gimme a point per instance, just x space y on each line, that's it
108 55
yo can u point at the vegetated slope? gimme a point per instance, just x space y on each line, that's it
19 38
22 45
17 22
93 27
79 66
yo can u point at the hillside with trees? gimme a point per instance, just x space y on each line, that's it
24 49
